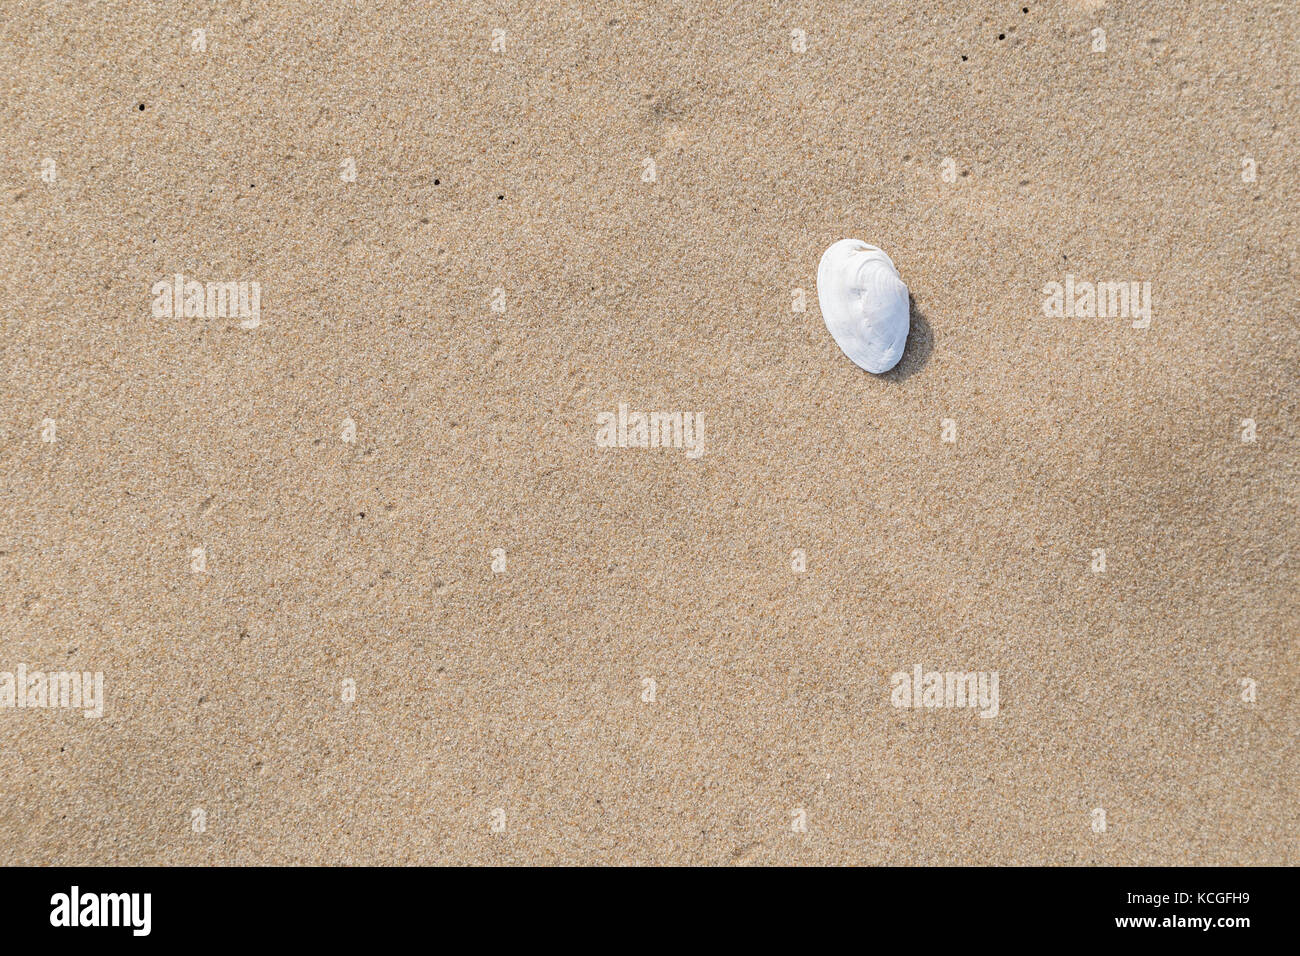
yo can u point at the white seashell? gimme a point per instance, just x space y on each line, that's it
864 303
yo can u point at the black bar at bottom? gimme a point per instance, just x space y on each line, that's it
932 907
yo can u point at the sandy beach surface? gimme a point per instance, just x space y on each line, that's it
362 584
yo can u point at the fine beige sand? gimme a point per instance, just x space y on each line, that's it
498 274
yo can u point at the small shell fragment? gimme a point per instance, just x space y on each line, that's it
864 304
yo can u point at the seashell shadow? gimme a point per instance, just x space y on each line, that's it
920 343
